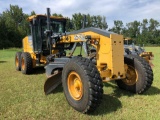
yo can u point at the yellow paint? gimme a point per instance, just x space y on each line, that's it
110 53
35 16
75 85
110 58
147 55
28 47
131 76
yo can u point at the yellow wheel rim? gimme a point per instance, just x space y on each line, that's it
22 63
75 85
131 76
17 62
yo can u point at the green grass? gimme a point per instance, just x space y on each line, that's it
22 96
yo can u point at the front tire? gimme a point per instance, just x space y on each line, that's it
139 75
82 84
26 63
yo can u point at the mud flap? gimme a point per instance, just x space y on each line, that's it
52 82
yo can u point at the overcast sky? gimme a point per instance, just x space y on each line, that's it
125 10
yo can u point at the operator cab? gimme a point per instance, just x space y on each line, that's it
39 33
128 41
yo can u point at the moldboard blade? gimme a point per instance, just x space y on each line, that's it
52 82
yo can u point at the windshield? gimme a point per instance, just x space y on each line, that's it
56 26
128 42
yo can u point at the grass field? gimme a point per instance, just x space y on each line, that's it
22 97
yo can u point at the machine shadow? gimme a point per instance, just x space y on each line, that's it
39 70
152 91
119 92
109 104
3 61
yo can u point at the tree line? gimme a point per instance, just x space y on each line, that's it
144 32
14 27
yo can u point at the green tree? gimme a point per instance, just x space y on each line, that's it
3 34
149 34
152 29
99 22
57 15
132 30
14 15
118 27
77 19
91 21
144 37
15 29
69 25
33 13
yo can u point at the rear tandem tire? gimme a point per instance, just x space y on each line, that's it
26 63
139 75
82 84
18 61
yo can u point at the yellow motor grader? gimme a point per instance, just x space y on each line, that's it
131 48
81 77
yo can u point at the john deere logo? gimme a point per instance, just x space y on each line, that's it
80 37
76 37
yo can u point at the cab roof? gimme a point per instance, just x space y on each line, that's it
127 38
53 17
